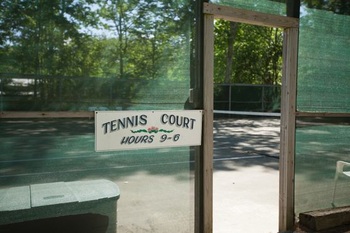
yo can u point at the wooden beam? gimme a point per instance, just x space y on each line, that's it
82 114
250 17
208 118
326 219
293 8
288 112
322 114
197 81
287 147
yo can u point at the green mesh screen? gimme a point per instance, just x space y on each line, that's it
323 86
60 61
324 56
264 6
22 92
67 56
320 144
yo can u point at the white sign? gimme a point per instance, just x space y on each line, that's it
124 130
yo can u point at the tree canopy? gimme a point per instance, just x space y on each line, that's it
247 54
115 41
124 44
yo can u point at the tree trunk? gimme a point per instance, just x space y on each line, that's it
230 50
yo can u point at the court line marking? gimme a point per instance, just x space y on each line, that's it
238 158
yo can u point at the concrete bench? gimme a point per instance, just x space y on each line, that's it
51 200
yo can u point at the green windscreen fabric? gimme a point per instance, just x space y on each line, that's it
60 61
320 143
324 56
323 85
68 58
264 6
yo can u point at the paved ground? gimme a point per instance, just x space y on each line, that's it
246 175
245 185
157 189
157 186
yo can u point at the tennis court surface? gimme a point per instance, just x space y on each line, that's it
246 175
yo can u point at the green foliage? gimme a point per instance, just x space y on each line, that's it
257 54
337 6
58 44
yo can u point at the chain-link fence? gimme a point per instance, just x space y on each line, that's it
66 93
247 97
